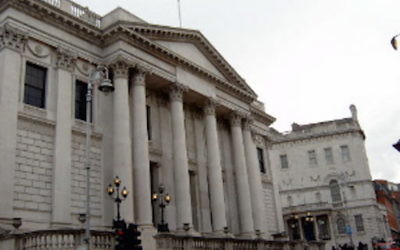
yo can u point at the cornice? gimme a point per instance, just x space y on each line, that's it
308 137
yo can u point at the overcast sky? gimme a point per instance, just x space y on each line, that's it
308 60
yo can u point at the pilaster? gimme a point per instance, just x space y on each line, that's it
12 44
61 211
122 144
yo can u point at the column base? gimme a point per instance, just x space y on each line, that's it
147 235
246 235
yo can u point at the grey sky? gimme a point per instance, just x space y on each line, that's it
308 60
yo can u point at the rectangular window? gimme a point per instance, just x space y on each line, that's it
35 85
359 222
312 157
328 155
80 100
260 155
284 161
148 116
345 153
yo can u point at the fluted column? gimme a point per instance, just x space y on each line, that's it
256 191
141 166
180 159
241 177
122 148
12 44
61 211
215 181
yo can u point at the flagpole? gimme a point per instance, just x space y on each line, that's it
179 11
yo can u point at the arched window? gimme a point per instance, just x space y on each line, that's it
335 191
341 225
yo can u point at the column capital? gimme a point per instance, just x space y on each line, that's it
139 78
120 69
13 38
236 118
248 122
66 59
209 106
176 91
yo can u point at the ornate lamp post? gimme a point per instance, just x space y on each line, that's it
117 199
163 200
99 76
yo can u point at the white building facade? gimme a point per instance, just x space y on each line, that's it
179 116
325 184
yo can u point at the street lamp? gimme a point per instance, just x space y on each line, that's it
98 76
164 200
395 42
397 145
117 199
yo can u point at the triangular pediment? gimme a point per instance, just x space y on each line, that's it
192 53
195 49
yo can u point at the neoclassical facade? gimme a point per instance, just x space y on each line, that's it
325 184
179 116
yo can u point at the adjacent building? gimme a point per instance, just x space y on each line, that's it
388 194
325 185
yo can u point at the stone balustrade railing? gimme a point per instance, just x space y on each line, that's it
77 10
56 239
175 242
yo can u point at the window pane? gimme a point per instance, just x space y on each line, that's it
80 100
335 191
359 222
35 79
284 161
341 227
328 155
345 153
312 157
260 155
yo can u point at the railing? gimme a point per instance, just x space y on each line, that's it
175 242
57 239
77 10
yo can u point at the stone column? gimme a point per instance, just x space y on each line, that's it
141 166
215 181
61 210
12 44
180 159
241 178
122 148
256 189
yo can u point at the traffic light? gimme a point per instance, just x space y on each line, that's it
132 238
120 234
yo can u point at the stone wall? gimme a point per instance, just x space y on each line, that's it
78 175
34 159
270 208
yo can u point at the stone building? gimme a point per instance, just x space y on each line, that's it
325 184
180 116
